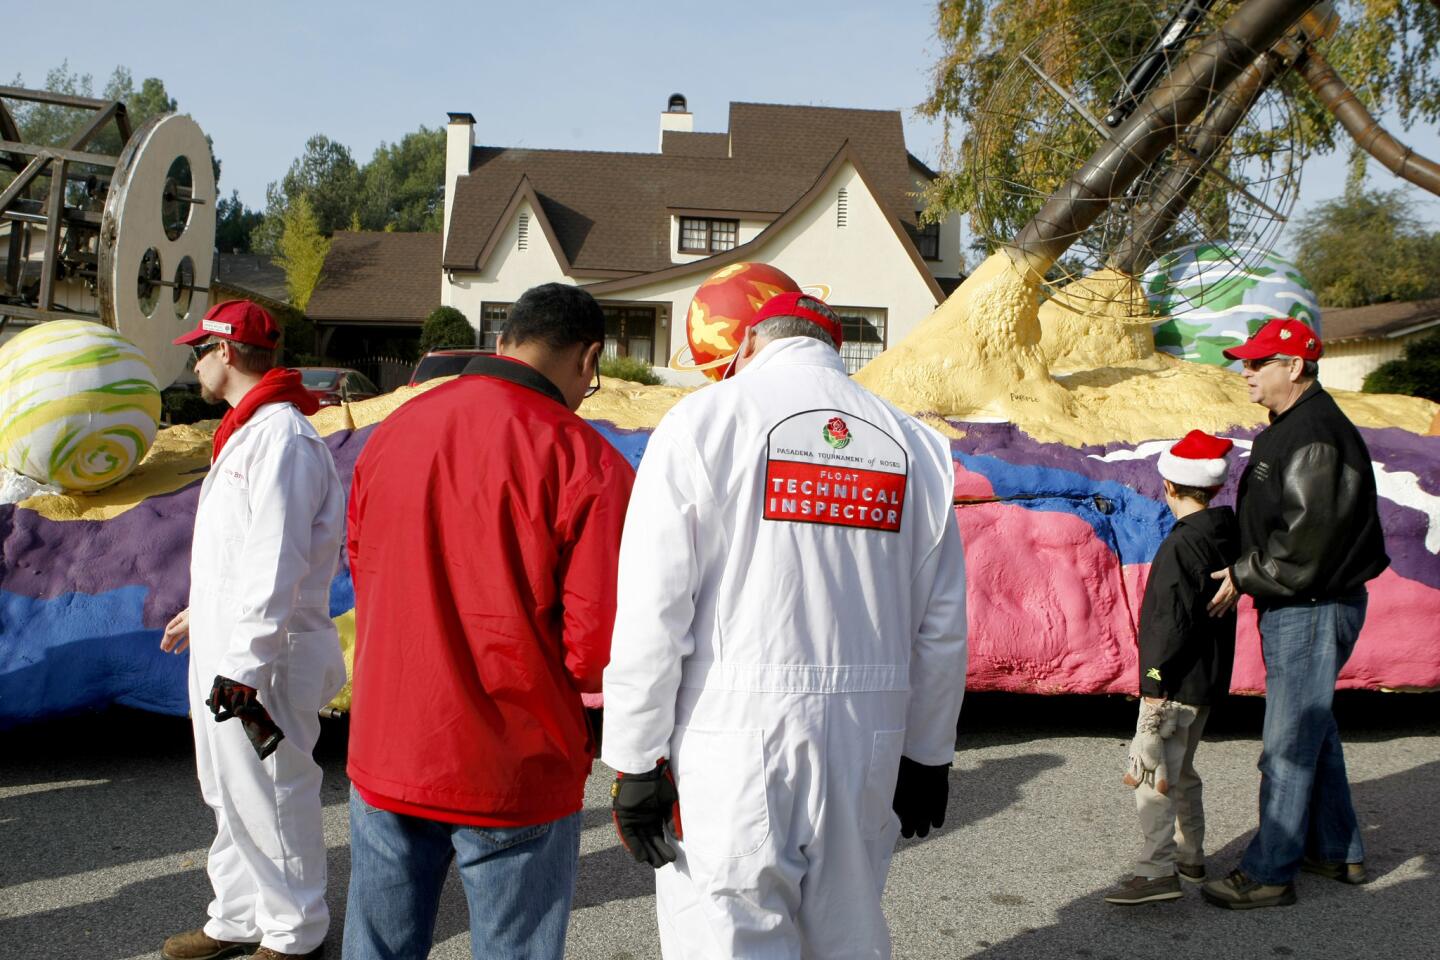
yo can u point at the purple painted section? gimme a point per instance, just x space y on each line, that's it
1395 449
147 546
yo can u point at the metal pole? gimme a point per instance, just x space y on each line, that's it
1113 167
1374 139
1173 191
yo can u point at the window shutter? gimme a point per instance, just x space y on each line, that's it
522 239
842 207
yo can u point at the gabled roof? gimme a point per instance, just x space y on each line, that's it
610 212
378 278
1378 320
743 251
251 273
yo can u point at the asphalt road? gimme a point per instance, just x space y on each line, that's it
103 836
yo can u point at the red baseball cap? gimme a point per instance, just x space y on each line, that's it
238 320
1281 336
793 304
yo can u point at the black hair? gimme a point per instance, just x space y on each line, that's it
558 315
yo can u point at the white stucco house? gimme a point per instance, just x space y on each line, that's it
826 195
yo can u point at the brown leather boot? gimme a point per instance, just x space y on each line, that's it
199 945
266 953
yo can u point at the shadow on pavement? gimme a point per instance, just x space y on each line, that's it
1330 919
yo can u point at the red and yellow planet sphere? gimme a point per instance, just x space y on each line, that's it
719 311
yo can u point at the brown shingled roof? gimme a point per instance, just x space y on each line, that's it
611 211
1377 320
378 278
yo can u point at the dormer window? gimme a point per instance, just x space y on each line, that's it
705 235
927 238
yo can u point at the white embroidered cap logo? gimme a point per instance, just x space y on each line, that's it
217 326
1284 334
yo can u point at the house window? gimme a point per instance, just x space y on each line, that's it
864 331
629 331
704 235
927 239
493 317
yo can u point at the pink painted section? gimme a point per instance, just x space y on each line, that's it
971 486
1394 651
1051 610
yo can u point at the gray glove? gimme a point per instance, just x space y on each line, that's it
1146 763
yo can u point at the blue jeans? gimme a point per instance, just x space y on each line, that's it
519 883
1305 807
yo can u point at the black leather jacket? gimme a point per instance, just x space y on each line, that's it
1309 522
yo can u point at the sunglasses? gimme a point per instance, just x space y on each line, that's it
594 388
203 349
1253 365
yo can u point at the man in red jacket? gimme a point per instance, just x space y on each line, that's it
484 534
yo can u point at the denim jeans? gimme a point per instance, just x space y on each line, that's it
519 883
1305 807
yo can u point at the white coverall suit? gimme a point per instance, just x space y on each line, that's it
267 540
791 619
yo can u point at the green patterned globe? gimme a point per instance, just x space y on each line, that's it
79 405
1213 296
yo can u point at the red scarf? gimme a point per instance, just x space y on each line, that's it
277 386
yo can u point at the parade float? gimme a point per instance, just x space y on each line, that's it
1045 376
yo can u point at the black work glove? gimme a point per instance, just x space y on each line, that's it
229 698
641 805
921 795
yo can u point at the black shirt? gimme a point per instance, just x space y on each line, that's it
1186 654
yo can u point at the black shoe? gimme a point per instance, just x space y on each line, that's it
1239 892
1351 873
1137 890
1191 872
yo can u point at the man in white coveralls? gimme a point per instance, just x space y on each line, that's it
789 652
263 648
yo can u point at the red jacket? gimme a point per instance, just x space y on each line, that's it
484 533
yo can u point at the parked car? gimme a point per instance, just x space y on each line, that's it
336 385
444 363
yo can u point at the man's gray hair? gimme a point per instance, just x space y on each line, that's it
779 328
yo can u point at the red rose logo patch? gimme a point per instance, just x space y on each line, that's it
837 434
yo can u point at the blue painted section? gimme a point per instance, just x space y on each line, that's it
84 651
1133 528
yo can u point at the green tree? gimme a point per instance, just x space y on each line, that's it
302 249
403 185
446 327
234 223
1388 52
1416 373
1365 247
327 177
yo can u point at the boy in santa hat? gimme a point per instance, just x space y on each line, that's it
1185 662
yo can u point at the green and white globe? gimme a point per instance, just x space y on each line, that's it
79 405
1213 296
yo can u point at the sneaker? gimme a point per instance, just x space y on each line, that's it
1351 873
1239 892
199 945
1191 872
1137 890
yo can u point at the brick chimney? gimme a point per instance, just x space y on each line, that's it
459 141
677 116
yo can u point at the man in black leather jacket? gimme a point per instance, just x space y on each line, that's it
1310 539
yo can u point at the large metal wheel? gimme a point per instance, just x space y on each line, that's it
157 240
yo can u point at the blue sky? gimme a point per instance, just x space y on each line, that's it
264 76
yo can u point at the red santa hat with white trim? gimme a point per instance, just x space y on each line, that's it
1199 460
